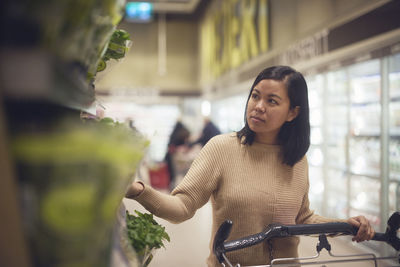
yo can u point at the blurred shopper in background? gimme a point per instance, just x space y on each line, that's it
254 177
209 131
178 139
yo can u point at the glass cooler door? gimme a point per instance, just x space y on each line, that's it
365 140
394 133
315 152
336 124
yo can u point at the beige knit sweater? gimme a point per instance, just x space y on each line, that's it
247 185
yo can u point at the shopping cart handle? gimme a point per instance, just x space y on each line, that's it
390 236
393 225
222 234
220 247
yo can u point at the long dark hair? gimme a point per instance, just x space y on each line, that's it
294 136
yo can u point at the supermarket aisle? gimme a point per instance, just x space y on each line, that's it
190 243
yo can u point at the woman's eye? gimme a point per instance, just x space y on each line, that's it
254 96
273 101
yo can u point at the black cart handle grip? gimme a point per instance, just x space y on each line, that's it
272 231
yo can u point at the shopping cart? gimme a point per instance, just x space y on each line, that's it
221 247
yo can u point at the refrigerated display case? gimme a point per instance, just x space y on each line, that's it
337 119
365 142
317 189
365 118
336 136
337 197
359 151
394 132
316 152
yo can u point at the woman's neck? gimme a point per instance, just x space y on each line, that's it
266 139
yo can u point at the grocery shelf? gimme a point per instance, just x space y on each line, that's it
12 241
63 177
46 78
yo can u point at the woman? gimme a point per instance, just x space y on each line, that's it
255 177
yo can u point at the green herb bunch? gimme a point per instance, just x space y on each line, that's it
117 48
145 234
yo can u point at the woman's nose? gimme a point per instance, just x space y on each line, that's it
260 107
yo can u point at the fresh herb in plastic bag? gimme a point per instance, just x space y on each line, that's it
145 235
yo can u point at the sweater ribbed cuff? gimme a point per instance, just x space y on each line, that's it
149 198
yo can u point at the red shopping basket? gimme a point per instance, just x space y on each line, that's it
159 176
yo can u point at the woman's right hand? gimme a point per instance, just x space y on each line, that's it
134 190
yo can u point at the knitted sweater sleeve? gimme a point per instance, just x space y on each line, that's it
192 193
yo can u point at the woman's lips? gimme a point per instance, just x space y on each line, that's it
256 119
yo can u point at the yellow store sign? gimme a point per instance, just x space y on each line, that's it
233 32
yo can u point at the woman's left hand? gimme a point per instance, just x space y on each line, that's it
365 230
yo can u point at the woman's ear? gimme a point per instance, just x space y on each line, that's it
293 113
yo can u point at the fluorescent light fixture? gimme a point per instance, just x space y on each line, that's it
139 11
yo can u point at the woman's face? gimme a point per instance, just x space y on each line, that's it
268 109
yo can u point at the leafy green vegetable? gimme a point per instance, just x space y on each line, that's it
102 65
107 120
116 49
74 175
145 234
117 46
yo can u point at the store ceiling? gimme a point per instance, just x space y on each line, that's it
174 6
